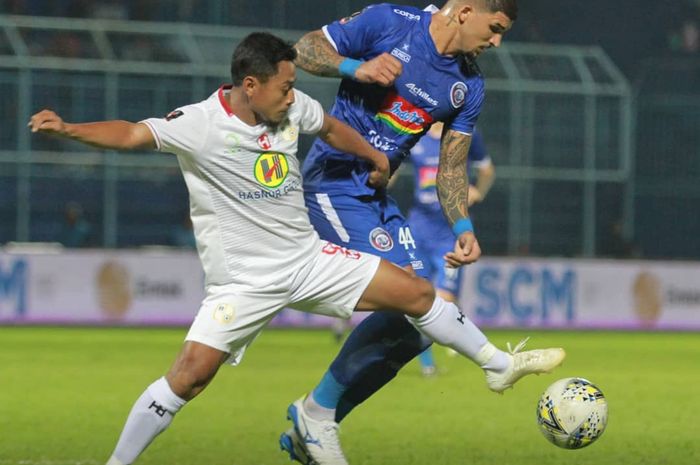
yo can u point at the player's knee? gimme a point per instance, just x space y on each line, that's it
421 297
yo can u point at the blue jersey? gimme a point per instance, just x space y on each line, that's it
432 87
425 157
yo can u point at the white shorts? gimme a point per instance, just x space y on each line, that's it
329 283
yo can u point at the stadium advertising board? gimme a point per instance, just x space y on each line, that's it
166 288
583 294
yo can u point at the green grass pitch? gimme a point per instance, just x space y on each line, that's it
65 393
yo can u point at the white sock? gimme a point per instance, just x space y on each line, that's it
446 325
151 415
317 411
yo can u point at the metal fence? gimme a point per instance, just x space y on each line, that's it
557 122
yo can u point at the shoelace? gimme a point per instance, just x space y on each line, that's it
520 346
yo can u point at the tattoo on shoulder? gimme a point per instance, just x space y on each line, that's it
317 56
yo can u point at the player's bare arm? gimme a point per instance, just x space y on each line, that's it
316 55
453 191
344 138
118 135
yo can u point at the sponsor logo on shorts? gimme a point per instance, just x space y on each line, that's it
381 240
224 314
417 264
333 249
271 169
458 94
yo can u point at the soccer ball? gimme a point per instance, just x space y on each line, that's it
572 413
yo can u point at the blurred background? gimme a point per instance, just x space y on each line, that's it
592 120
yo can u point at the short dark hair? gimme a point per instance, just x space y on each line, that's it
509 7
258 55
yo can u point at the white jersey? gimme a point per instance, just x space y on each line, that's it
246 198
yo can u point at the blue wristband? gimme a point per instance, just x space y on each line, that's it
463 225
348 67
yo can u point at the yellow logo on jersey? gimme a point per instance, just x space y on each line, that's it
271 169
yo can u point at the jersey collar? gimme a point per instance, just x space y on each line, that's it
223 100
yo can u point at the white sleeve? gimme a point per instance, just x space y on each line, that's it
183 131
309 111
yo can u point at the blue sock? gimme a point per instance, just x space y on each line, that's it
372 356
426 358
328 392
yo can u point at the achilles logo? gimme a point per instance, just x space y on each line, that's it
417 91
159 410
461 317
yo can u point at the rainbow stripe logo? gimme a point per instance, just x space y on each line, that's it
402 116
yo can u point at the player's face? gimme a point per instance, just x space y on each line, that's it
273 98
481 30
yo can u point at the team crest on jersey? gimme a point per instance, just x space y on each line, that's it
224 314
264 142
458 94
290 133
271 169
381 240
402 116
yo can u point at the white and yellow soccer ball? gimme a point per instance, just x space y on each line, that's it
572 413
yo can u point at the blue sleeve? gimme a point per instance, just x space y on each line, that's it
358 36
465 121
477 149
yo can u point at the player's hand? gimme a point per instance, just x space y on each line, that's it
382 70
379 174
466 251
47 122
474 196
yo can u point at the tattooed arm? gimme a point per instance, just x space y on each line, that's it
453 191
316 55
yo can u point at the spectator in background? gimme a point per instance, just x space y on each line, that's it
76 230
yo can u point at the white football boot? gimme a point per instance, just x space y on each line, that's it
318 437
292 443
521 364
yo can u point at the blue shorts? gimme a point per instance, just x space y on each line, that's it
368 224
435 238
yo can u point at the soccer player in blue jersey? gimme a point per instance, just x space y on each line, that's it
403 69
433 234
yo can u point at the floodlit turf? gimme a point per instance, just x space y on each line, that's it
64 395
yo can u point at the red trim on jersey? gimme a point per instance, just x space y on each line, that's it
223 100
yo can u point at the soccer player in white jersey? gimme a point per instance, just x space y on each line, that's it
237 151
